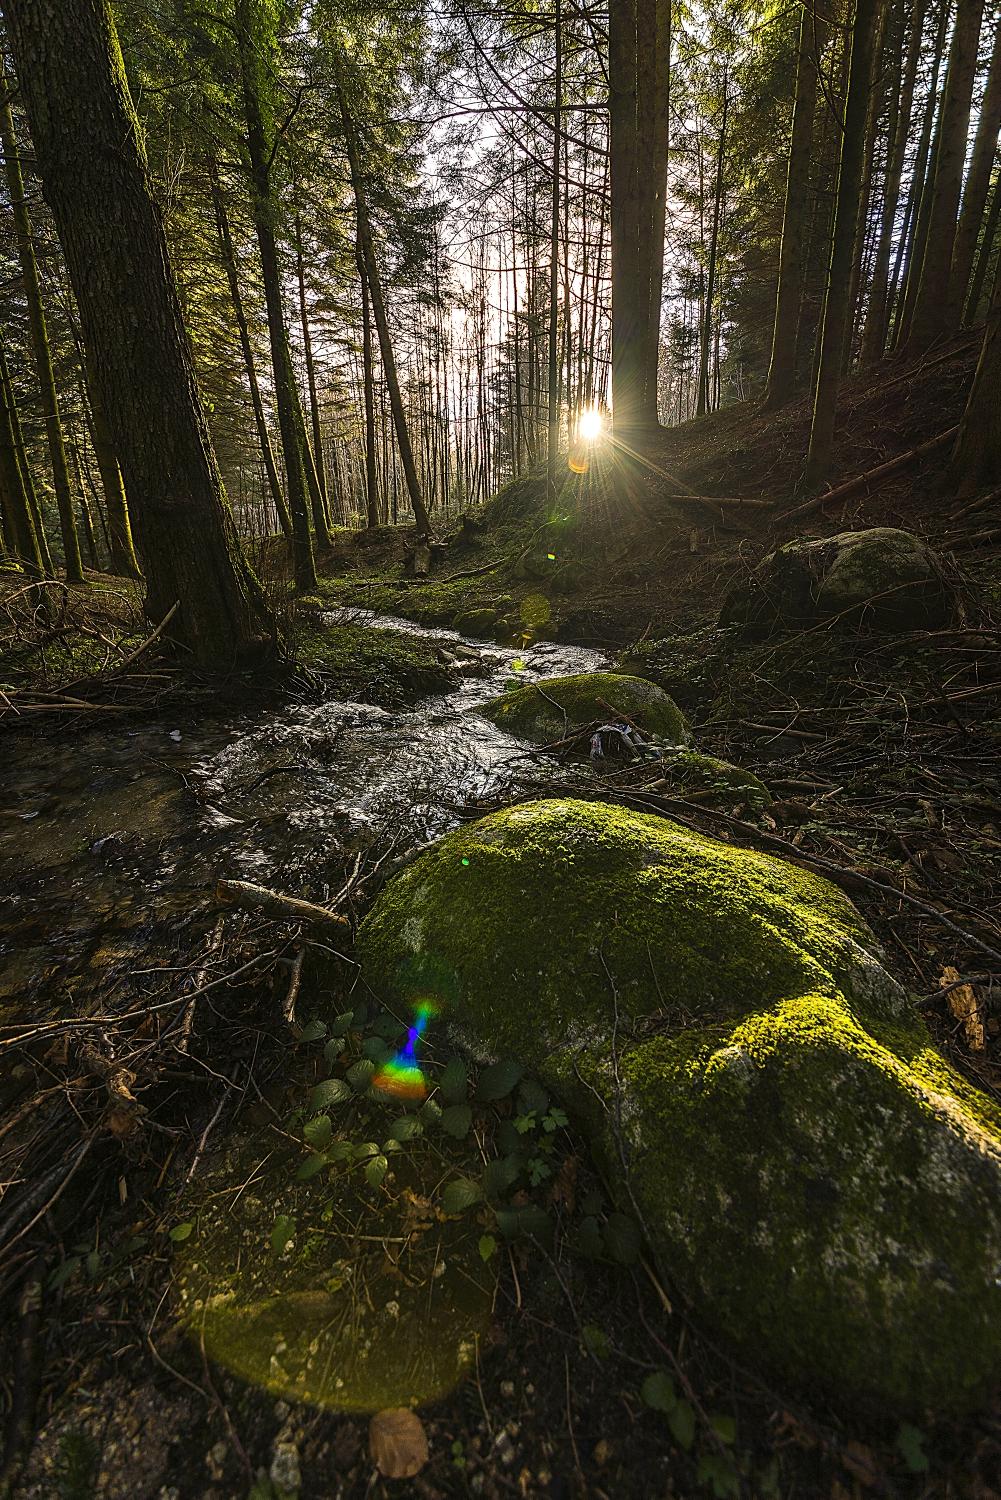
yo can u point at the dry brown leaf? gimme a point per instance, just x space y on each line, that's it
398 1443
860 1462
962 1001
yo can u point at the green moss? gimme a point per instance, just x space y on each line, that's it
480 622
549 711
388 667
714 780
691 667
812 1175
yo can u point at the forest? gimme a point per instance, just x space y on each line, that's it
500 749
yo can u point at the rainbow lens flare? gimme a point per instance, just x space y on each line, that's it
402 1075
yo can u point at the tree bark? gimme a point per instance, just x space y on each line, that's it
874 335
95 178
976 461
254 60
629 308
381 320
19 523
39 336
835 320
703 402
307 346
371 477
553 389
978 183
781 383
260 421
987 239
932 315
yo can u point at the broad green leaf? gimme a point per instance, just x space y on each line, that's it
318 1132
454 1083
456 1120
488 1247
588 1241
681 1420
532 1098
341 1151
497 1081
366 1148
330 1091
180 1232
283 1233
360 1074
910 1446
555 1120
406 1128
313 1030
387 1026
430 1112
375 1170
376 1048
658 1391
596 1341
343 1022
501 1174
461 1193
333 1049
312 1165
716 1470
724 1427
622 1239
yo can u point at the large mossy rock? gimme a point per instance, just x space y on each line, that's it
553 709
883 577
812 1175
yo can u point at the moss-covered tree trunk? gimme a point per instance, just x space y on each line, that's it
39 335
96 181
977 185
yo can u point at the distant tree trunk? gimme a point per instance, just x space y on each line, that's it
381 320
978 183
19 523
553 391
254 61
371 477
987 239
874 334
629 309
660 138
707 318
877 94
781 383
976 461
39 336
89 147
307 345
236 297
931 317
835 320
123 554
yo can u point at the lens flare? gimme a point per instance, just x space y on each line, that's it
402 1075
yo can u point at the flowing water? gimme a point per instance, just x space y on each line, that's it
110 844
111 839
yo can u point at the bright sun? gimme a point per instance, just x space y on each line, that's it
591 424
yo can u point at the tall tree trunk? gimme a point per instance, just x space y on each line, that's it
707 319
835 320
931 317
874 334
876 96
976 461
371 477
89 148
781 383
236 297
630 309
307 346
123 553
660 140
987 239
978 182
381 320
39 336
19 522
552 450
254 63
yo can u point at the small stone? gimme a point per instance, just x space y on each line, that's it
285 1472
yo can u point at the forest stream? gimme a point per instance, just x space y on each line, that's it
130 829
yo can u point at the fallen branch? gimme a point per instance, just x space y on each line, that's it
741 502
273 904
872 479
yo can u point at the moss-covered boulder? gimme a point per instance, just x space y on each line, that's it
714 781
883 577
552 709
691 666
481 623
812 1176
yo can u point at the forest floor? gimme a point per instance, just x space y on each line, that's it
882 755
